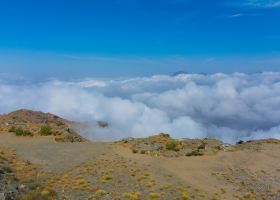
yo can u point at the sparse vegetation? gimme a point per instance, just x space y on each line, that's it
34 196
101 193
59 123
142 151
12 129
40 195
164 145
29 123
154 195
46 130
164 135
240 142
202 146
20 131
195 153
7 169
185 195
132 196
173 146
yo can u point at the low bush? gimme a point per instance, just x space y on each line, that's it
165 135
173 146
59 123
185 196
142 151
46 130
132 196
100 193
20 131
12 129
7 169
134 151
154 195
240 142
202 146
195 153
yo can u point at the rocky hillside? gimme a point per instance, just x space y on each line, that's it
33 123
164 145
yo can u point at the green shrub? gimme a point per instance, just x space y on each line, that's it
20 131
154 195
7 169
59 123
46 130
240 142
143 151
165 135
202 146
12 129
173 146
100 193
134 151
195 153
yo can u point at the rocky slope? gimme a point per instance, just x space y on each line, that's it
164 145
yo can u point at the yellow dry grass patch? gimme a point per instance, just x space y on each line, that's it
132 196
154 195
100 193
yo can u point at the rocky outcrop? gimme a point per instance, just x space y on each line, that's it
164 145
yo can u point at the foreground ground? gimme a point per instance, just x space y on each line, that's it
110 171
39 167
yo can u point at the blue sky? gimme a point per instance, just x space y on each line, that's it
110 38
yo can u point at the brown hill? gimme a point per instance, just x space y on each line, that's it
34 123
29 116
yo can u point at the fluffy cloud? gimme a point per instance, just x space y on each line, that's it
228 107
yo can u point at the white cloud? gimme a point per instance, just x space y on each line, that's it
256 3
236 15
228 107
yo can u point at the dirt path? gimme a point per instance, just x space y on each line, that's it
52 155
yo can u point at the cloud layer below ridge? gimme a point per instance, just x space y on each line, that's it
225 106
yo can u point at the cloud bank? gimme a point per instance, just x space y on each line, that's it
229 107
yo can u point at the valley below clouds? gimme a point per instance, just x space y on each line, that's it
229 107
